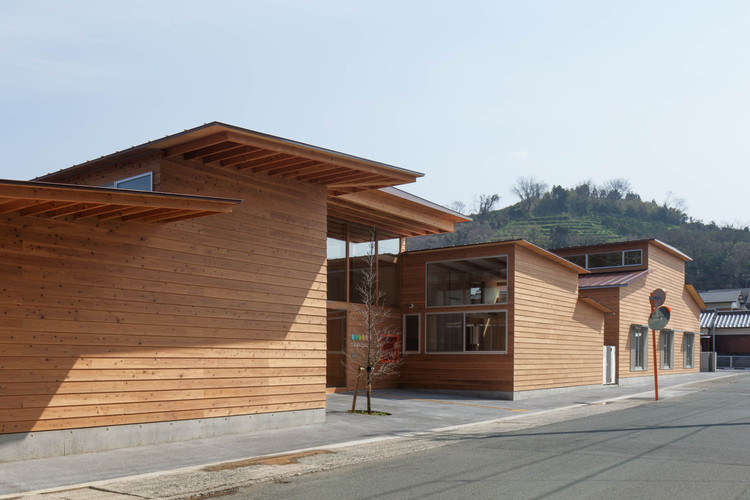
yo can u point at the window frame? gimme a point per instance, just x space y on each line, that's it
419 332
115 184
644 348
665 336
622 258
463 331
481 305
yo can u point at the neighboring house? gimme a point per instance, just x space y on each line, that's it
726 299
623 275
187 297
726 332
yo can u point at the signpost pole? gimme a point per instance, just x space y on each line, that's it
653 343
657 321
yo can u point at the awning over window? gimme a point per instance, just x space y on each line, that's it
65 200
607 280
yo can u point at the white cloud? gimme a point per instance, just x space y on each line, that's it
521 155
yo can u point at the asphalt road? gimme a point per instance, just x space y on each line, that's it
696 445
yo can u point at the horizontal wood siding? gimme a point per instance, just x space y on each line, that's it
150 162
667 273
107 323
558 339
609 298
463 371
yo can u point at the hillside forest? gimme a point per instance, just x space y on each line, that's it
590 214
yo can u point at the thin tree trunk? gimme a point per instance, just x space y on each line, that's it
369 390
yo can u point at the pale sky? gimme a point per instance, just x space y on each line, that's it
473 94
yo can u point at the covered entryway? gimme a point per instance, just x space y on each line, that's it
336 348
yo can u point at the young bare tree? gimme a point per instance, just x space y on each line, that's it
528 190
376 346
487 203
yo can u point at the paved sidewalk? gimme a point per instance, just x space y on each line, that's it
412 412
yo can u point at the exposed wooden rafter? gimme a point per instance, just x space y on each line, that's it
65 200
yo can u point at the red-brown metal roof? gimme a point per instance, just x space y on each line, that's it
607 280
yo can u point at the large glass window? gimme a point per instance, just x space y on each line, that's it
388 282
411 333
638 348
611 259
484 331
350 250
336 253
608 259
467 282
360 257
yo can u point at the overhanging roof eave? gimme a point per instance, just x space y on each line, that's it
397 175
57 200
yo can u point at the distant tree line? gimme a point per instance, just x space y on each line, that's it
589 214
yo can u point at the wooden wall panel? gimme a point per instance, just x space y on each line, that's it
149 162
107 323
463 371
667 273
558 339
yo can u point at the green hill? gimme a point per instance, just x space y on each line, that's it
588 215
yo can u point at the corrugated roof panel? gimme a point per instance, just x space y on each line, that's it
725 319
707 319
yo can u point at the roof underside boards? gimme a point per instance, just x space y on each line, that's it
64 200
595 304
226 146
608 280
725 319
394 212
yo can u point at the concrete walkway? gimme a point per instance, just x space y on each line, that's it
87 476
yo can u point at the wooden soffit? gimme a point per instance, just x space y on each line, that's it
595 304
227 146
65 200
395 212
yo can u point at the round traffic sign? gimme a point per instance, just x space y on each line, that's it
659 318
658 297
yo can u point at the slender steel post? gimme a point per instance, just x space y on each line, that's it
653 343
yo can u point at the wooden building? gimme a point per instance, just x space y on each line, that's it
622 277
497 320
202 284
177 289
512 320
